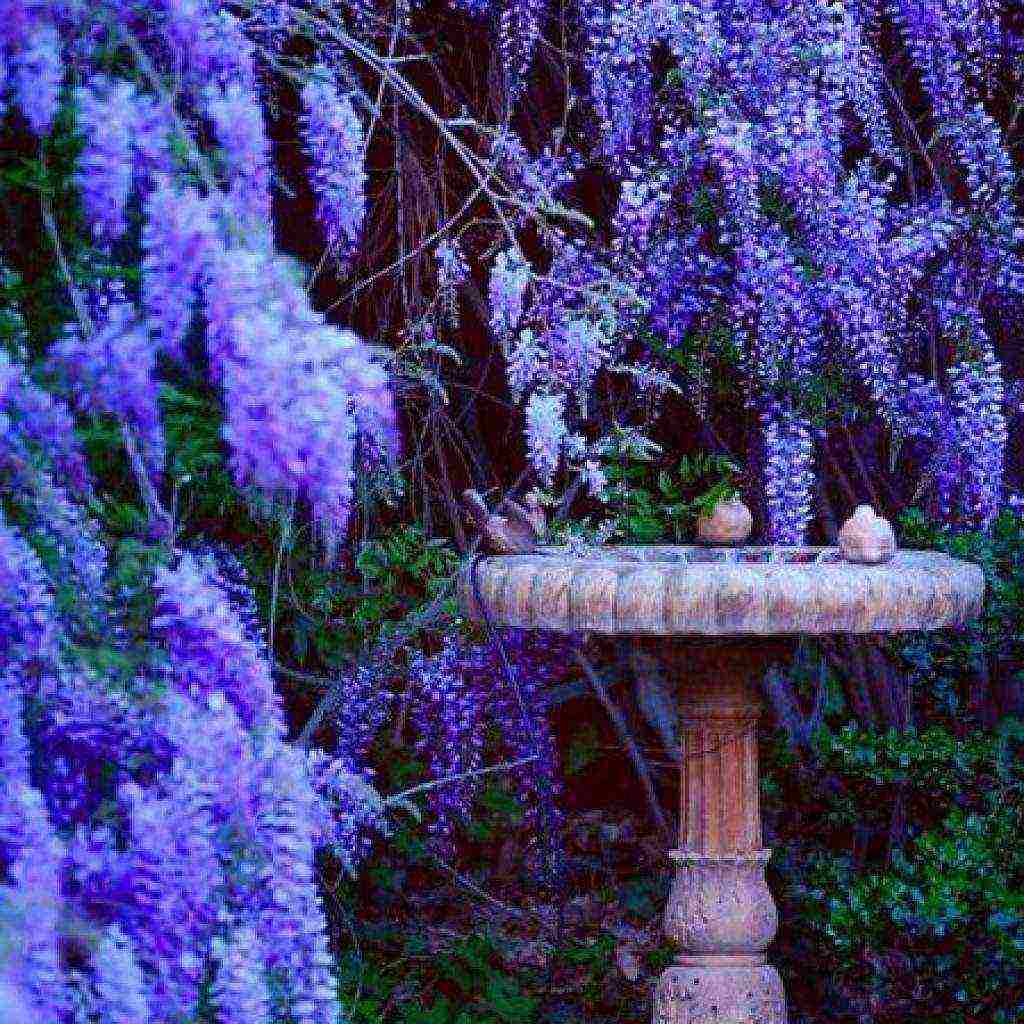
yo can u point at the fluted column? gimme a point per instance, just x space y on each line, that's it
720 912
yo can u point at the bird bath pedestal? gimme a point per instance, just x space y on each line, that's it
721 616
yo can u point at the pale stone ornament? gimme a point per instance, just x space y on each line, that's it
717 618
867 538
730 522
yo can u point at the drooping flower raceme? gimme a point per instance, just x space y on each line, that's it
36 73
976 403
179 237
240 987
238 124
546 432
125 144
510 276
32 419
28 628
298 390
449 707
334 141
208 648
789 460
120 987
110 366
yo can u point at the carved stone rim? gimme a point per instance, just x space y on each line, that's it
684 590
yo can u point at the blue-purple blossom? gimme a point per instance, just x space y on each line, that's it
519 29
33 420
449 715
789 477
119 984
510 276
177 240
350 808
298 391
110 365
546 432
334 140
30 855
578 349
165 886
620 38
208 649
106 115
36 73
238 125
86 732
240 988
976 404
28 625
457 691
292 928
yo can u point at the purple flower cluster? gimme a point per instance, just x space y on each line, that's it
240 989
237 119
464 687
110 367
120 988
298 392
759 204
620 39
178 239
191 826
519 29
37 445
28 630
789 476
510 277
976 404
291 419
125 145
33 422
546 433
449 715
208 647
31 65
334 139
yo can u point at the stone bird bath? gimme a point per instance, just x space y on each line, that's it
720 616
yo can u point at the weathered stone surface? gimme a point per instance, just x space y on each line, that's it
720 990
720 911
663 590
720 904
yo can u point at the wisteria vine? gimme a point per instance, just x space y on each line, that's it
817 201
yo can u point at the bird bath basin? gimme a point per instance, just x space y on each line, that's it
720 616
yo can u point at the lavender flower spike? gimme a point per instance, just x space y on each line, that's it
546 432
334 139
120 990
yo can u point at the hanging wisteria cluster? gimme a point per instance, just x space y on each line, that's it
463 689
166 828
159 836
821 196
184 139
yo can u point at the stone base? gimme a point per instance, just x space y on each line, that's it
720 990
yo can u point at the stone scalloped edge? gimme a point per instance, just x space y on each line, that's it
661 590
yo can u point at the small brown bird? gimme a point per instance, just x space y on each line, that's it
514 534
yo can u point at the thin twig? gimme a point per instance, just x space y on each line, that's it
396 799
618 720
